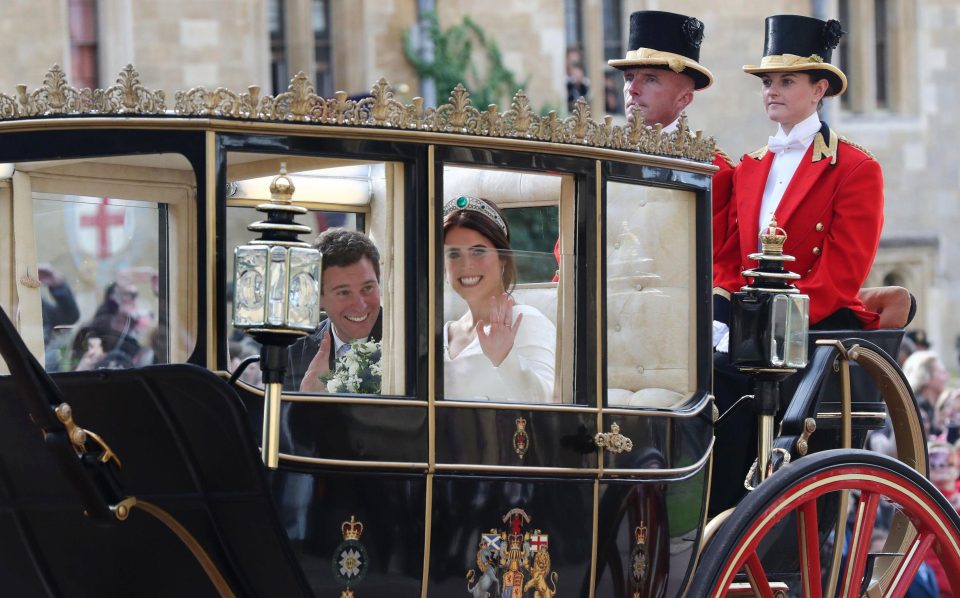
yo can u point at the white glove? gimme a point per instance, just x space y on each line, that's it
719 330
724 345
721 337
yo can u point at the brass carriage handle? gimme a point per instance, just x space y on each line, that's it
613 441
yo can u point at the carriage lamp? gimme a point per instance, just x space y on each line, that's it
276 296
769 319
769 322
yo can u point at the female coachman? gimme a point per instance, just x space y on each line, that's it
824 191
497 350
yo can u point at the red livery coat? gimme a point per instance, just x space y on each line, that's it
832 212
721 192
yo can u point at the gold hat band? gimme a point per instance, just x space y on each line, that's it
676 62
788 60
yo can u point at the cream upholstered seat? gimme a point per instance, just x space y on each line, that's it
650 280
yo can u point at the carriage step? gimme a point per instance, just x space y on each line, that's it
779 589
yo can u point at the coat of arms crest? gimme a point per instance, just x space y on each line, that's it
513 562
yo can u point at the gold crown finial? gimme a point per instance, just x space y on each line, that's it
772 239
282 187
351 529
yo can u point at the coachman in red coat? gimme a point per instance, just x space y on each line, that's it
832 211
824 191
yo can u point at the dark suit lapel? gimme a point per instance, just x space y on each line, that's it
819 157
326 328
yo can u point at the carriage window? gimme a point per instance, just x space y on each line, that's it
650 258
112 260
349 205
502 256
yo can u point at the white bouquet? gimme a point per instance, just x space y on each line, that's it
357 371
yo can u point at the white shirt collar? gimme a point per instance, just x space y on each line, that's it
804 131
337 342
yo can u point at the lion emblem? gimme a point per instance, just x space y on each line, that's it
540 573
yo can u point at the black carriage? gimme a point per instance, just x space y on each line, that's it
149 479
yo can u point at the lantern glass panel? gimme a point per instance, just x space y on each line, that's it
304 310
250 266
789 323
277 283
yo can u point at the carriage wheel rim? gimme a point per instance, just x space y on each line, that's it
909 437
928 525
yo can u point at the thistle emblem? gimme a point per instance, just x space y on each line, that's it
350 559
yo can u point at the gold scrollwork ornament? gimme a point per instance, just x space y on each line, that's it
300 103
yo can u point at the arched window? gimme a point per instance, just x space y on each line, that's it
894 279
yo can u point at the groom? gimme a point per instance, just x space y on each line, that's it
350 296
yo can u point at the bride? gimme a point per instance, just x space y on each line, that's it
498 350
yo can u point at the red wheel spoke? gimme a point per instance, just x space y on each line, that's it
924 524
757 576
809 549
866 515
908 566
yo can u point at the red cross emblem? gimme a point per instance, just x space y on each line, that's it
538 542
104 219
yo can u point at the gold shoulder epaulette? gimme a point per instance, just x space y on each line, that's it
858 146
726 157
758 154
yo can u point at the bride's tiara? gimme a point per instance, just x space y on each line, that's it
475 204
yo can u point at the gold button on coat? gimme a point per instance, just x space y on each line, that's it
819 226
816 251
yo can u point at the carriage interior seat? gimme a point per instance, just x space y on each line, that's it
650 254
896 305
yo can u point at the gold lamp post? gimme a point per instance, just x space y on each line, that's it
276 296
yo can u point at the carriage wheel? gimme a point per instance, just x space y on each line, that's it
785 510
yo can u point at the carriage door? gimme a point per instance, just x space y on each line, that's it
656 424
351 483
512 462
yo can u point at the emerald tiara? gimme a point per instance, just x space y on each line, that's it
475 204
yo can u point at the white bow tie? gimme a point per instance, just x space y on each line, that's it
779 144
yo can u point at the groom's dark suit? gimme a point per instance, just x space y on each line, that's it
302 352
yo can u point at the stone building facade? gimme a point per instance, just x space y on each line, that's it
900 57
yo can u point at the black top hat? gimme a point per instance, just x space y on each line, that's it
666 40
798 43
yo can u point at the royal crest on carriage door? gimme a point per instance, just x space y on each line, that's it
513 562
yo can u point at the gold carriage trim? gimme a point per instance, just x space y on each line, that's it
380 109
